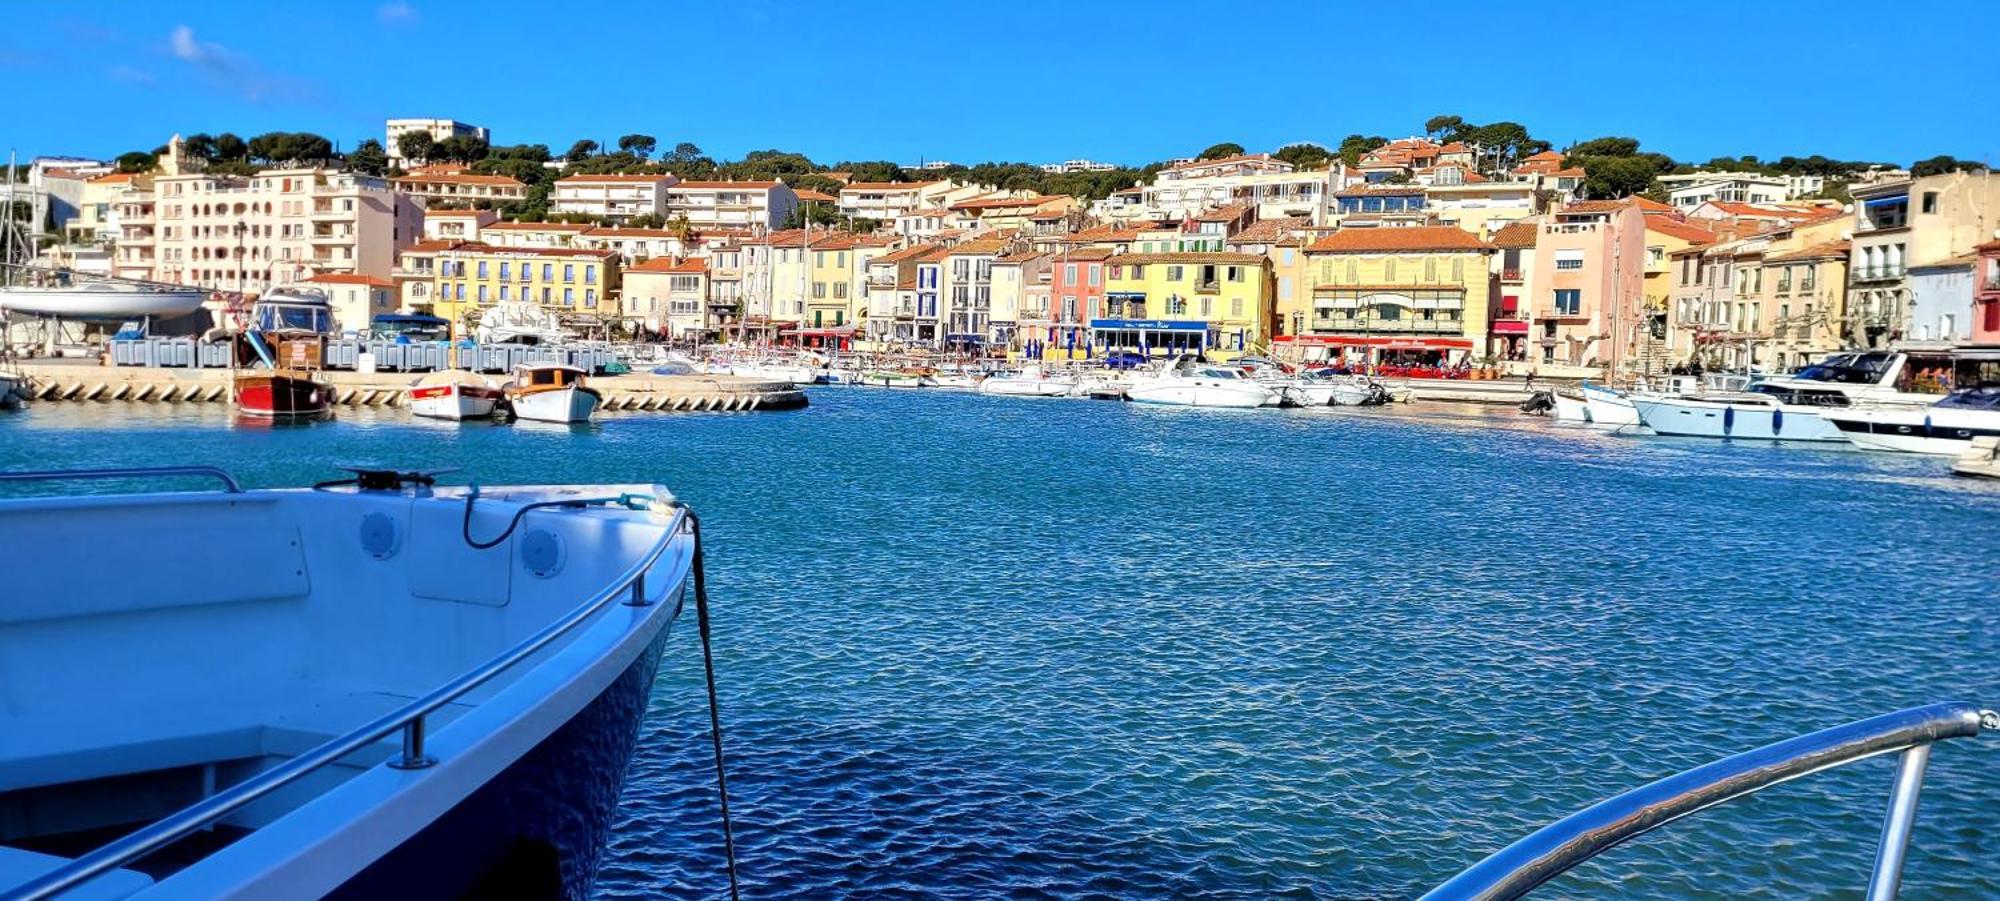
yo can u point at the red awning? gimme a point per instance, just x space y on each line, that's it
839 332
1389 342
1510 327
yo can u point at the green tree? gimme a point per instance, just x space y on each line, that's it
1606 147
1443 128
686 152
1220 151
1304 156
638 145
871 170
460 149
415 146
136 161
369 158
1616 176
1943 163
1353 147
200 146
230 147
646 220
580 151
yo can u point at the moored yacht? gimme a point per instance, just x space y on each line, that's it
1184 382
373 688
1031 381
1766 412
1946 427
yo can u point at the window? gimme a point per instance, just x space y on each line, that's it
1069 274
1353 271
503 293
1430 270
1569 259
569 297
1207 307
1569 301
1236 308
1096 274
1174 273
1139 271
482 268
590 274
480 295
503 270
819 290
1235 273
1806 276
569 272
590 297
548 275
1930 201
839 290
1069 309
1389 270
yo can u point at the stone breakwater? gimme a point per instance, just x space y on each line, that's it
622 393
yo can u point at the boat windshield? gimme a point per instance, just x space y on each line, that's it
1214 373
1984 397
1848 369
278 317
1802 396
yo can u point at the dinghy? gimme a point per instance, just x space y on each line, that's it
453 394
371 688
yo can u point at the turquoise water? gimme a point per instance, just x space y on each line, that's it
979 646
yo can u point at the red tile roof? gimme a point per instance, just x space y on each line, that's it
1227 160
668 264
603 231
1516 235
867 186
612 179
457 179
1682 230
1395 240
344 278
812 196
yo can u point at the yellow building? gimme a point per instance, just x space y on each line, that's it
1216 303
830 305
469 278
1418 294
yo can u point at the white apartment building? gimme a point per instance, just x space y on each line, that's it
615 197
731 204
1277 195
885 201
439 129
249 234
1078 166
1242 164
462 187
456 225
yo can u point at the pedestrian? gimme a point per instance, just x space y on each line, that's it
1531 380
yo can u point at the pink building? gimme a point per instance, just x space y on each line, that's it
1588 284
1076 294
1986 294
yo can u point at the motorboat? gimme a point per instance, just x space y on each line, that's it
13 390
371 688
908 377
1947 427
551 392
1359 391
960 378
1030 381
1981 458
1568 407
289 328
519 323
1184 382
454 394
1766 412
1607 406
79 300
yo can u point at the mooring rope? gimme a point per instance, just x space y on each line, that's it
714 704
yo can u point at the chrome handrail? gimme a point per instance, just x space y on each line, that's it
1519 868
55 475
409 718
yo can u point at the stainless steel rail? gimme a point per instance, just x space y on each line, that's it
58 475
1519 868
409 719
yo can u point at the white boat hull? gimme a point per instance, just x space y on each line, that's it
1570 409
1608 408
1925 430
96 303
1698 418
1199 395
455 402
1311 395
1027 387
560 405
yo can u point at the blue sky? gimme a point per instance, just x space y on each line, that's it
1023 80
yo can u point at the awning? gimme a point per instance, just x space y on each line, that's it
1148 325
1389 342
1510 327
845 331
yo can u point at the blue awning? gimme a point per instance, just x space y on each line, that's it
1880 201
1150 325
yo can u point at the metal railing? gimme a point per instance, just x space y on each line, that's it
409 719
58 475
1519 868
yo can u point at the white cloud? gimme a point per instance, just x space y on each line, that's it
186 48
232 71
396 12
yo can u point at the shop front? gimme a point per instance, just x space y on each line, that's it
1377 350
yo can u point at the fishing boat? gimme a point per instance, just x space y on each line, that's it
551 392
910 377
1946 427
289 328
1030 381
1183 382
454 394
375 687
100 301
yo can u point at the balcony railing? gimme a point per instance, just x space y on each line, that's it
1428 326
1510 275
1875 273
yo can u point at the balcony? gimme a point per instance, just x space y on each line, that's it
326 211
1210 286
1875 274
1510 275
1388 326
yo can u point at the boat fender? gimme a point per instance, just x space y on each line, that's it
1728 420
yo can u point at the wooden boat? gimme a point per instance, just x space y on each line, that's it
551 392
282 394
454 394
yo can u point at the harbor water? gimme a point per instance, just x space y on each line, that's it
974 646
